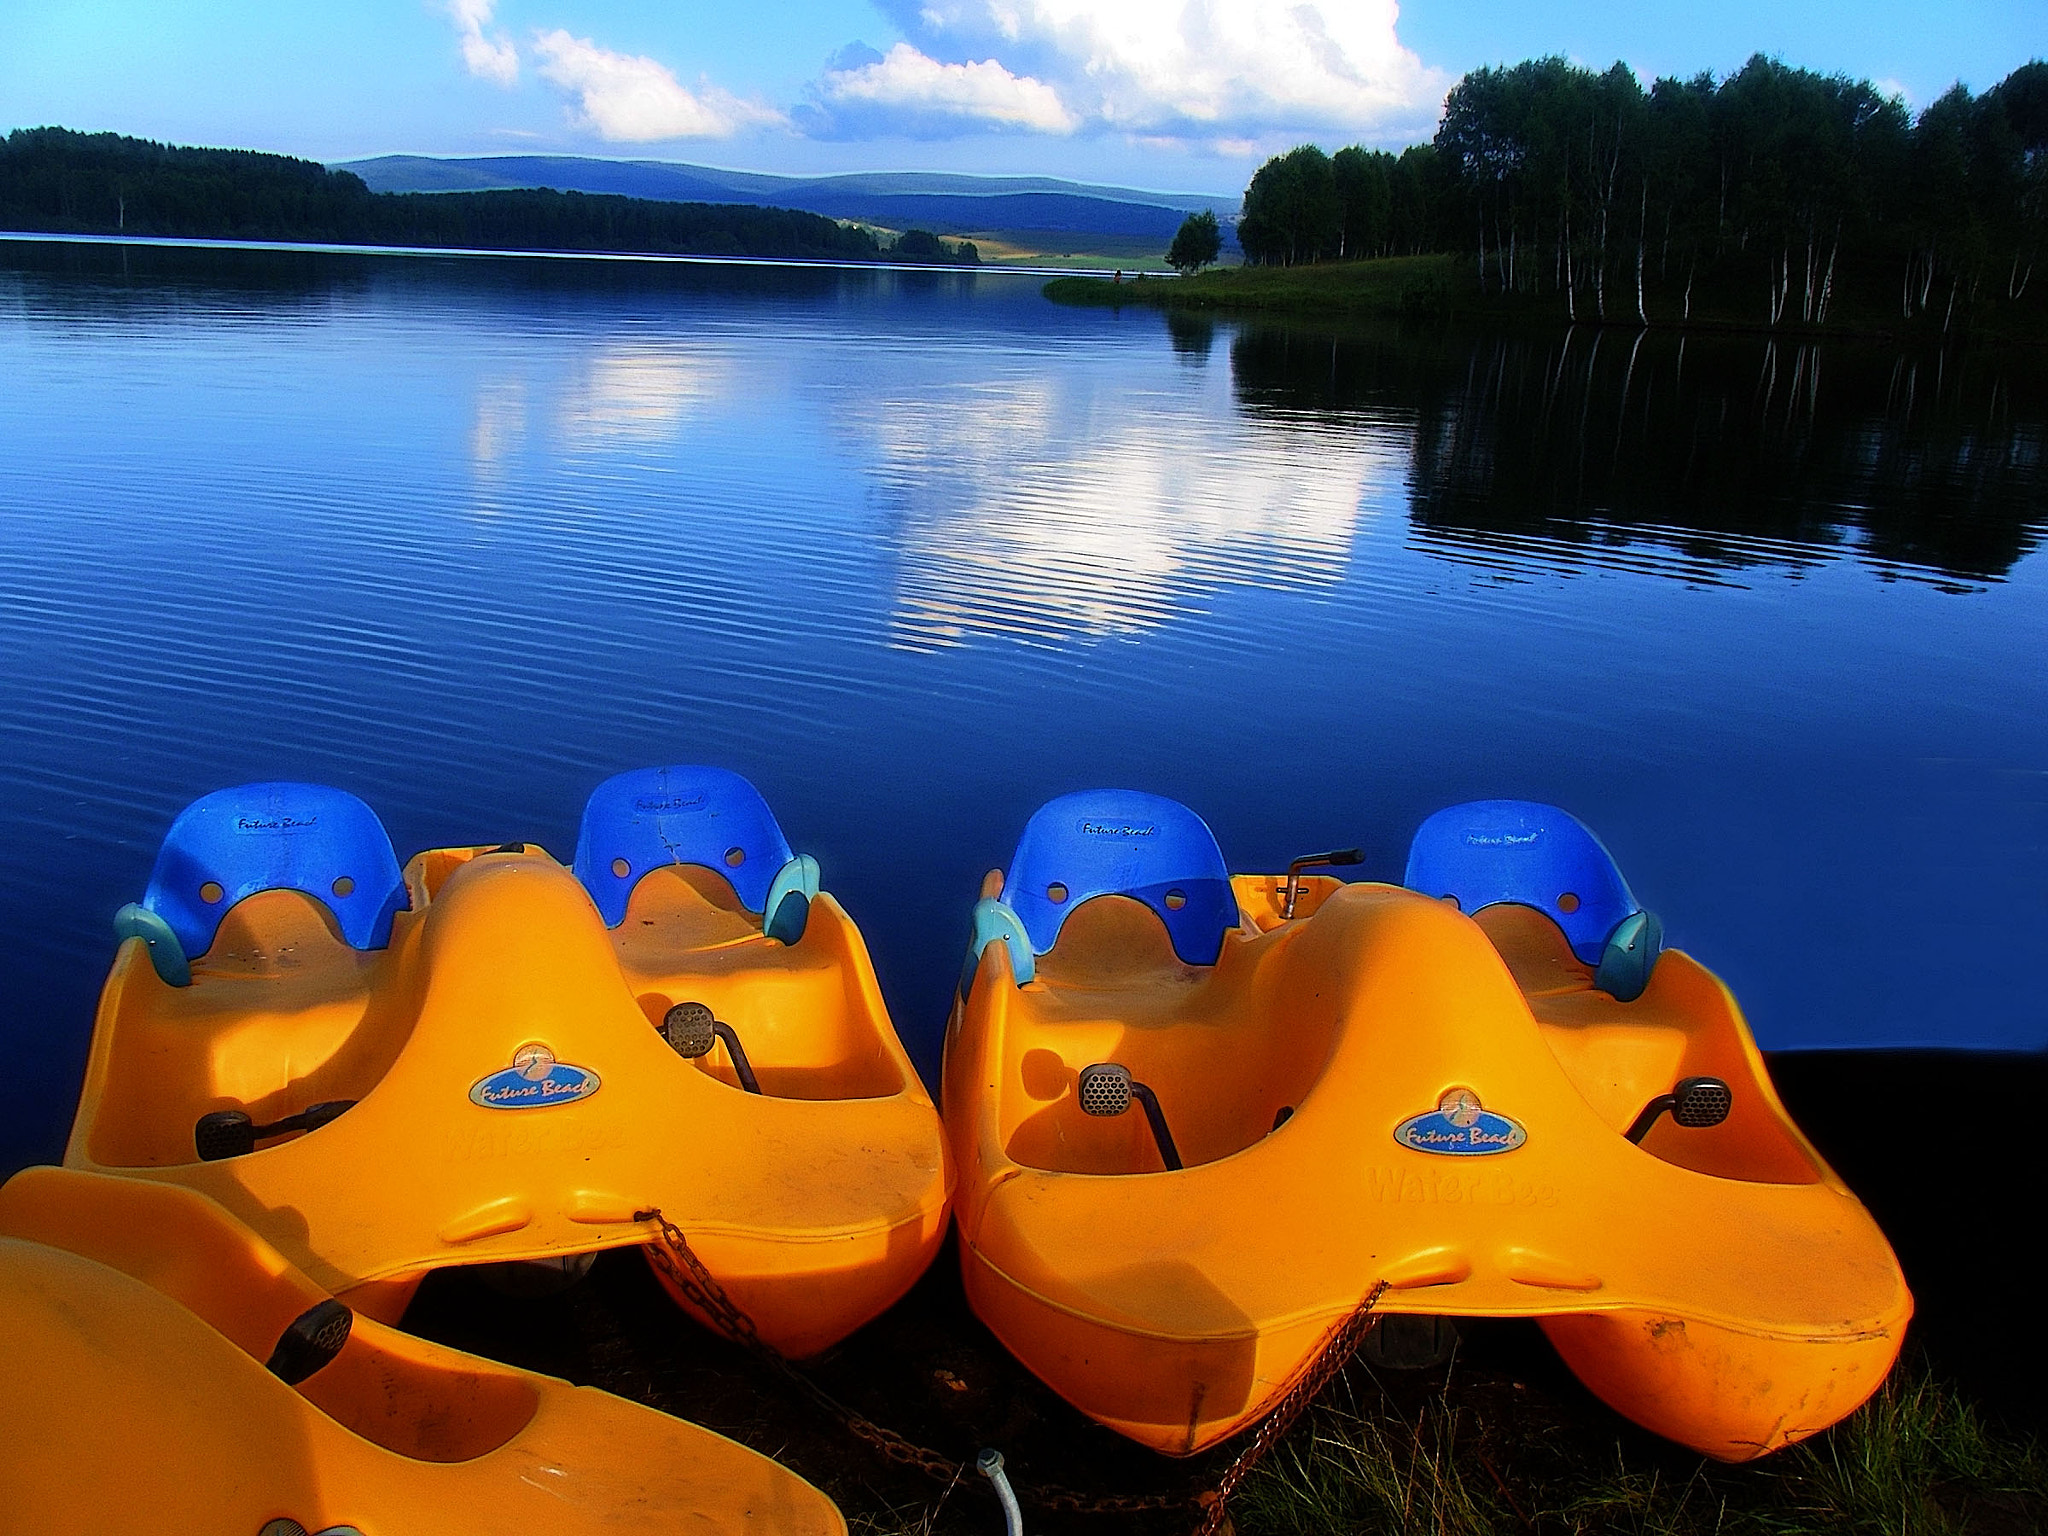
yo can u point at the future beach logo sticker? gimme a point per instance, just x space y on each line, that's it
534 1079
1459 1127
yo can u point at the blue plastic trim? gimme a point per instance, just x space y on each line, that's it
166 954
1491 851
788 908
994 920
1122 842
276 837
1629 956
650 817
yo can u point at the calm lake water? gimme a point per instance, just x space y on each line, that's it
916 551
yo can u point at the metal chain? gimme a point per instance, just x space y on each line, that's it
701 1289
1052 1496
1338 1347
698 1287
679 1262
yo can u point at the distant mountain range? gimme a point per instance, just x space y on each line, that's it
943 204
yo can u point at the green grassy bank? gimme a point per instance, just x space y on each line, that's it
1446 287
1395 286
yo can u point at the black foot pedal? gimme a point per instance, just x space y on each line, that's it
224 1133
691 1029
1697 1103
314 1338
231 1133
1106 1090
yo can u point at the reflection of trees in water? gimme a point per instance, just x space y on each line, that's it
1729 452
114 279
1192 336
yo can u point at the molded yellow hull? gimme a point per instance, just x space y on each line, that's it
134 1322
817 1202
1719 1286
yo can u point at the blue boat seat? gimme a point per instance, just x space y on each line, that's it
234 843
647 818
1120 842
1490 851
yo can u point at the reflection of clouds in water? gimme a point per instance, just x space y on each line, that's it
637 394
500 425
1020 523
611 396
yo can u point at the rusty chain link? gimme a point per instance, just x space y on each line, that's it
702 1291
696 1284
1339 1345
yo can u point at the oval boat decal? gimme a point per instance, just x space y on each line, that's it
1460 1127
533 1080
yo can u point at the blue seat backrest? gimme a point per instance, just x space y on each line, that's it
647 817
1491 851
1122 842
276 837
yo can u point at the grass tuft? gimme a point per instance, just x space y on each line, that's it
1353 1473
1917 1460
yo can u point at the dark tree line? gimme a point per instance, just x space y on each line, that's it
54 180
1307 206
1772 193
921 245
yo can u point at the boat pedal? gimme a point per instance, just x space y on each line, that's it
1701 1102
225 1133
691 1029
1105 1091
312 1340
1697 1103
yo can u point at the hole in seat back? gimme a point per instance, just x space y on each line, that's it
648 817
1122 842
1490 851
276 837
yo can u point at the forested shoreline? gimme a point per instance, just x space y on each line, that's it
56 181
1776 198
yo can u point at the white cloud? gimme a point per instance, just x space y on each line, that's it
1216 73
491 57
629 98
912 92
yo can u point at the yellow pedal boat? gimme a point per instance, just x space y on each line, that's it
494 1059
161 1364
1344 1085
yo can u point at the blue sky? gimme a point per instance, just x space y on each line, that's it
1160 93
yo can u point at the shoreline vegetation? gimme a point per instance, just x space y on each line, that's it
54 181
1776 200
1471 1459
1442 288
